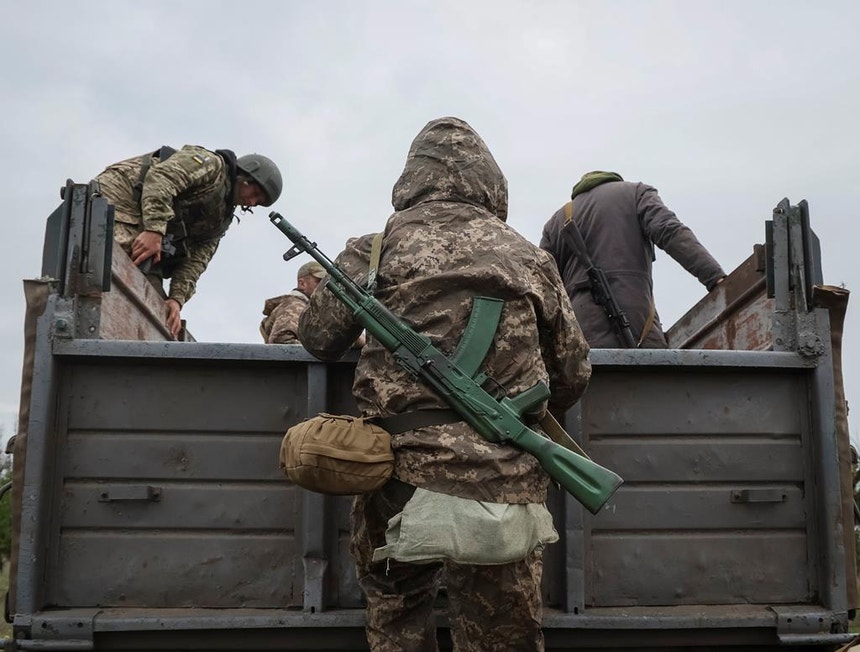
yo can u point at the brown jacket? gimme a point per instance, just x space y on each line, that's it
621 221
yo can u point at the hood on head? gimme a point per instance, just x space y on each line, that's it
448 161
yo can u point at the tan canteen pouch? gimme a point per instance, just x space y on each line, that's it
337 455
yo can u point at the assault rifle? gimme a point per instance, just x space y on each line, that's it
600 290
455 379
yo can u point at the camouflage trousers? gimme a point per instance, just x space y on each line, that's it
128 221
490 607
125 234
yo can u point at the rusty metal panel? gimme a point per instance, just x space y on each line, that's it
133 309
735 315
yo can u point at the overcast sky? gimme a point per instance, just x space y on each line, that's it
726 107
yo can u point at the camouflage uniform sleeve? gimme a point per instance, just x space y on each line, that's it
183 283
563 346
188 168
327 329
285 321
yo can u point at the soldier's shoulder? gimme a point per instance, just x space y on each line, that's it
272 303
361 243
196 157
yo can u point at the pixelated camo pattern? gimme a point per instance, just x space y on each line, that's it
446 244
281 322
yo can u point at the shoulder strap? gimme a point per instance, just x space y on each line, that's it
375 253
575 239
652 312
163 153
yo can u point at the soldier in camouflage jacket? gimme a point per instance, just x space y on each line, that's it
185 198
446 243
281 314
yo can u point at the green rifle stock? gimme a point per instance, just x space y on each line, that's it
497 420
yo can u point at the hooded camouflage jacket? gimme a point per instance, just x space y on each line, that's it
188 195
447 243
281 314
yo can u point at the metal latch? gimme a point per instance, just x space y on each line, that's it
758 496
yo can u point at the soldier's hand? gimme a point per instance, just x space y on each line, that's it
174 322
146 245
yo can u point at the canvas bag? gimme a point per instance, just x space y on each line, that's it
437 527
337 455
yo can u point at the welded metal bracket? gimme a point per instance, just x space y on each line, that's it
810 626
69 631
793 269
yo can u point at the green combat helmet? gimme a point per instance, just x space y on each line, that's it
263 171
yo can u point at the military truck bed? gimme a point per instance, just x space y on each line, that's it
151 513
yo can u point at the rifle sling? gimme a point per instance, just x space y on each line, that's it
554 431
480 329
373 268
163 153
397 423
575 236
652 313
582 251
478 335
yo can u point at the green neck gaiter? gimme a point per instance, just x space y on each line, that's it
591 179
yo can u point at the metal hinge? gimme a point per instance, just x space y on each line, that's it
811 626
57 632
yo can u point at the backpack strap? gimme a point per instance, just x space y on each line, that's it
163 153
648 322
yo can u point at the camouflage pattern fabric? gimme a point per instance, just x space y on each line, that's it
446 244
281 322
192 177
490 608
